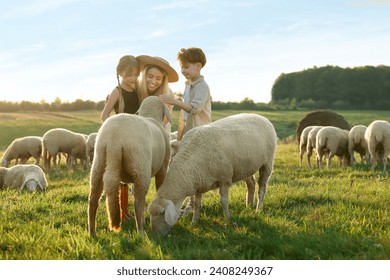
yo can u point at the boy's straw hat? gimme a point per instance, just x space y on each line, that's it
145 60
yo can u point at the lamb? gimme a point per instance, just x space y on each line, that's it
27 176
377 136
215 156
332 141
60 140
357 143
129 148
23 148
91 139
303 141
311 142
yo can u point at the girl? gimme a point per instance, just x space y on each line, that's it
124 97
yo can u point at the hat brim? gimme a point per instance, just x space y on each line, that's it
145 60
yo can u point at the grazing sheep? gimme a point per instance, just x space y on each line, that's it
321 118
129 148
357 143
27 176
332 141
60 140
23 148
303 142
91 139
311 142
377 136
215 156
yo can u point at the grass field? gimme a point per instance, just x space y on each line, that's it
337 213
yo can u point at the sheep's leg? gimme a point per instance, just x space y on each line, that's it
96 190
319 158
113 209
55 163
265 173
330 155
301 152
250 194
197 205
224 196
309 153
140 192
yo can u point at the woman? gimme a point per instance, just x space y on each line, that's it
156 73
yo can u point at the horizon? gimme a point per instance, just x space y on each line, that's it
69 48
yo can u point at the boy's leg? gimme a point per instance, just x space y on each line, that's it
125 215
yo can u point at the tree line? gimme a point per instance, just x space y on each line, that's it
333 87
80 105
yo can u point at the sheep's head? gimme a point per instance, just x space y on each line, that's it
31 183
152 107
163 215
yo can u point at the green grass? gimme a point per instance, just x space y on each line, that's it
337 213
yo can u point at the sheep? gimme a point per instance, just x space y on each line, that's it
129 148
321 118
91 139
28 176
332 141
311 142
377 136
60 140
23 148
356 142
303 141
215 156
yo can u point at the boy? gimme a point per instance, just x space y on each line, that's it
196 107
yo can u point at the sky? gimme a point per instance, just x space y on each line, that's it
69 49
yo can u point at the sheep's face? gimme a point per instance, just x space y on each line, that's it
163 215
32 185
159 224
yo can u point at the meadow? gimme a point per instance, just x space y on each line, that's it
338 213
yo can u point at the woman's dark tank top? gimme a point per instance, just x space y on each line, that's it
131 101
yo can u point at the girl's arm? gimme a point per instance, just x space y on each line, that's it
112 99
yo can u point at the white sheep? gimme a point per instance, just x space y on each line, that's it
311 142
332 141
23 148
91 139
27 176
214 156
303 141
60 140
357 143
129 148
377 136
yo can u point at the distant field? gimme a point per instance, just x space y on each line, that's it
339 213
15 125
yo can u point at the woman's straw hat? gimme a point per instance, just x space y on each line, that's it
146 60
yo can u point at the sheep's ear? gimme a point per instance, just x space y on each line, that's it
171 215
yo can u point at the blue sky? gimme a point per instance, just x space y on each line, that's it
69 48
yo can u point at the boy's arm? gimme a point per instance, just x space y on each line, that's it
176 102
201 95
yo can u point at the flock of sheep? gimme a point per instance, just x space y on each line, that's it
136 148
372 143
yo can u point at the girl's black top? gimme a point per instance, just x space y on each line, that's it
131 102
